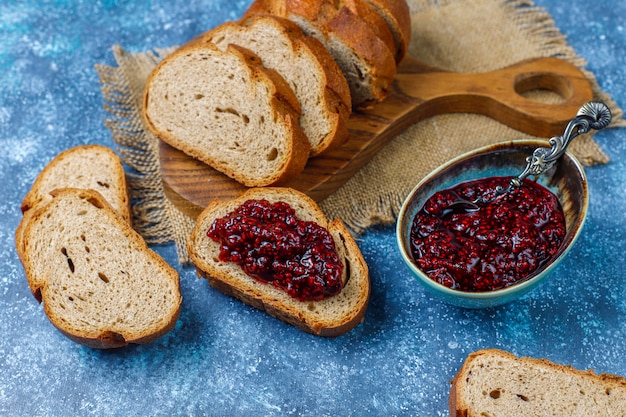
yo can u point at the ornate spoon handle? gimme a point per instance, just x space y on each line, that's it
592 115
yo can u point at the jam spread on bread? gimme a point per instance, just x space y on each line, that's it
496 246
273 246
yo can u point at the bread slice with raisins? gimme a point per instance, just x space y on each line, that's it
331 316
99 283
496 383
227 110
305 64
93 167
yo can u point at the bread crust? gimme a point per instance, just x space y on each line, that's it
283 102
305 315
460 407
93 335
341 21
397 15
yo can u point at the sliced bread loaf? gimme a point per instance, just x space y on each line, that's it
330 316
100 284
229 111
306 65
94 167
496 383
365 59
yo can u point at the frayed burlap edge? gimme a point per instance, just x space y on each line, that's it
159 221
154 216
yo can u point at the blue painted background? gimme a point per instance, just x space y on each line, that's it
224 358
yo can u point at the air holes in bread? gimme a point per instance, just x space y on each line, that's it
522 397
103 277
495 394
272 154
95 202
70 263
230 110
199 96
103 184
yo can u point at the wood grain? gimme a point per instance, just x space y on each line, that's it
418 92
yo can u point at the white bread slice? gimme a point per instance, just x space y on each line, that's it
94 167
99 282
496 383
331 316
305 64
365 59
229 111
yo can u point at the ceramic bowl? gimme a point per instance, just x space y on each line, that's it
566 180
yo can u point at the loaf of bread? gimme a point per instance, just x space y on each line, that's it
496 383
227 110
99 283
330 316
93 167
365 59
305 64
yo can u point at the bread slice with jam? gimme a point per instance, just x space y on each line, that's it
330 316
496 383
99 283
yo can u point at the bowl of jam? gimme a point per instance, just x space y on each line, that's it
495 251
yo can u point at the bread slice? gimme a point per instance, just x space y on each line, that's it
397 15
305 64
366 60
229 111
496 383
99 282
331 316
94 167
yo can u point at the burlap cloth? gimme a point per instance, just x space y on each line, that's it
458 35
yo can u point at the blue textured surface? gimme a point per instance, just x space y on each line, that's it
224 358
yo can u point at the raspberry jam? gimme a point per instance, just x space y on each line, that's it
500 244
273 246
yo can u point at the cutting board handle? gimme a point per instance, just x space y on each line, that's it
498 94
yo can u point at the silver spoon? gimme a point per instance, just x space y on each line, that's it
592 115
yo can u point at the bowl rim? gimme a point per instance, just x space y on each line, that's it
502 292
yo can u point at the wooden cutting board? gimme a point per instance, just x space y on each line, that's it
418 92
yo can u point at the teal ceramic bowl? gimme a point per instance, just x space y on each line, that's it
566 180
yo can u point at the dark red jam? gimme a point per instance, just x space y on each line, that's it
273 246
496 246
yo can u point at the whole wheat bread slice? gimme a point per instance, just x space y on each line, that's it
94 167
306 65
365 59
496 383
331 316
99 283
229 111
